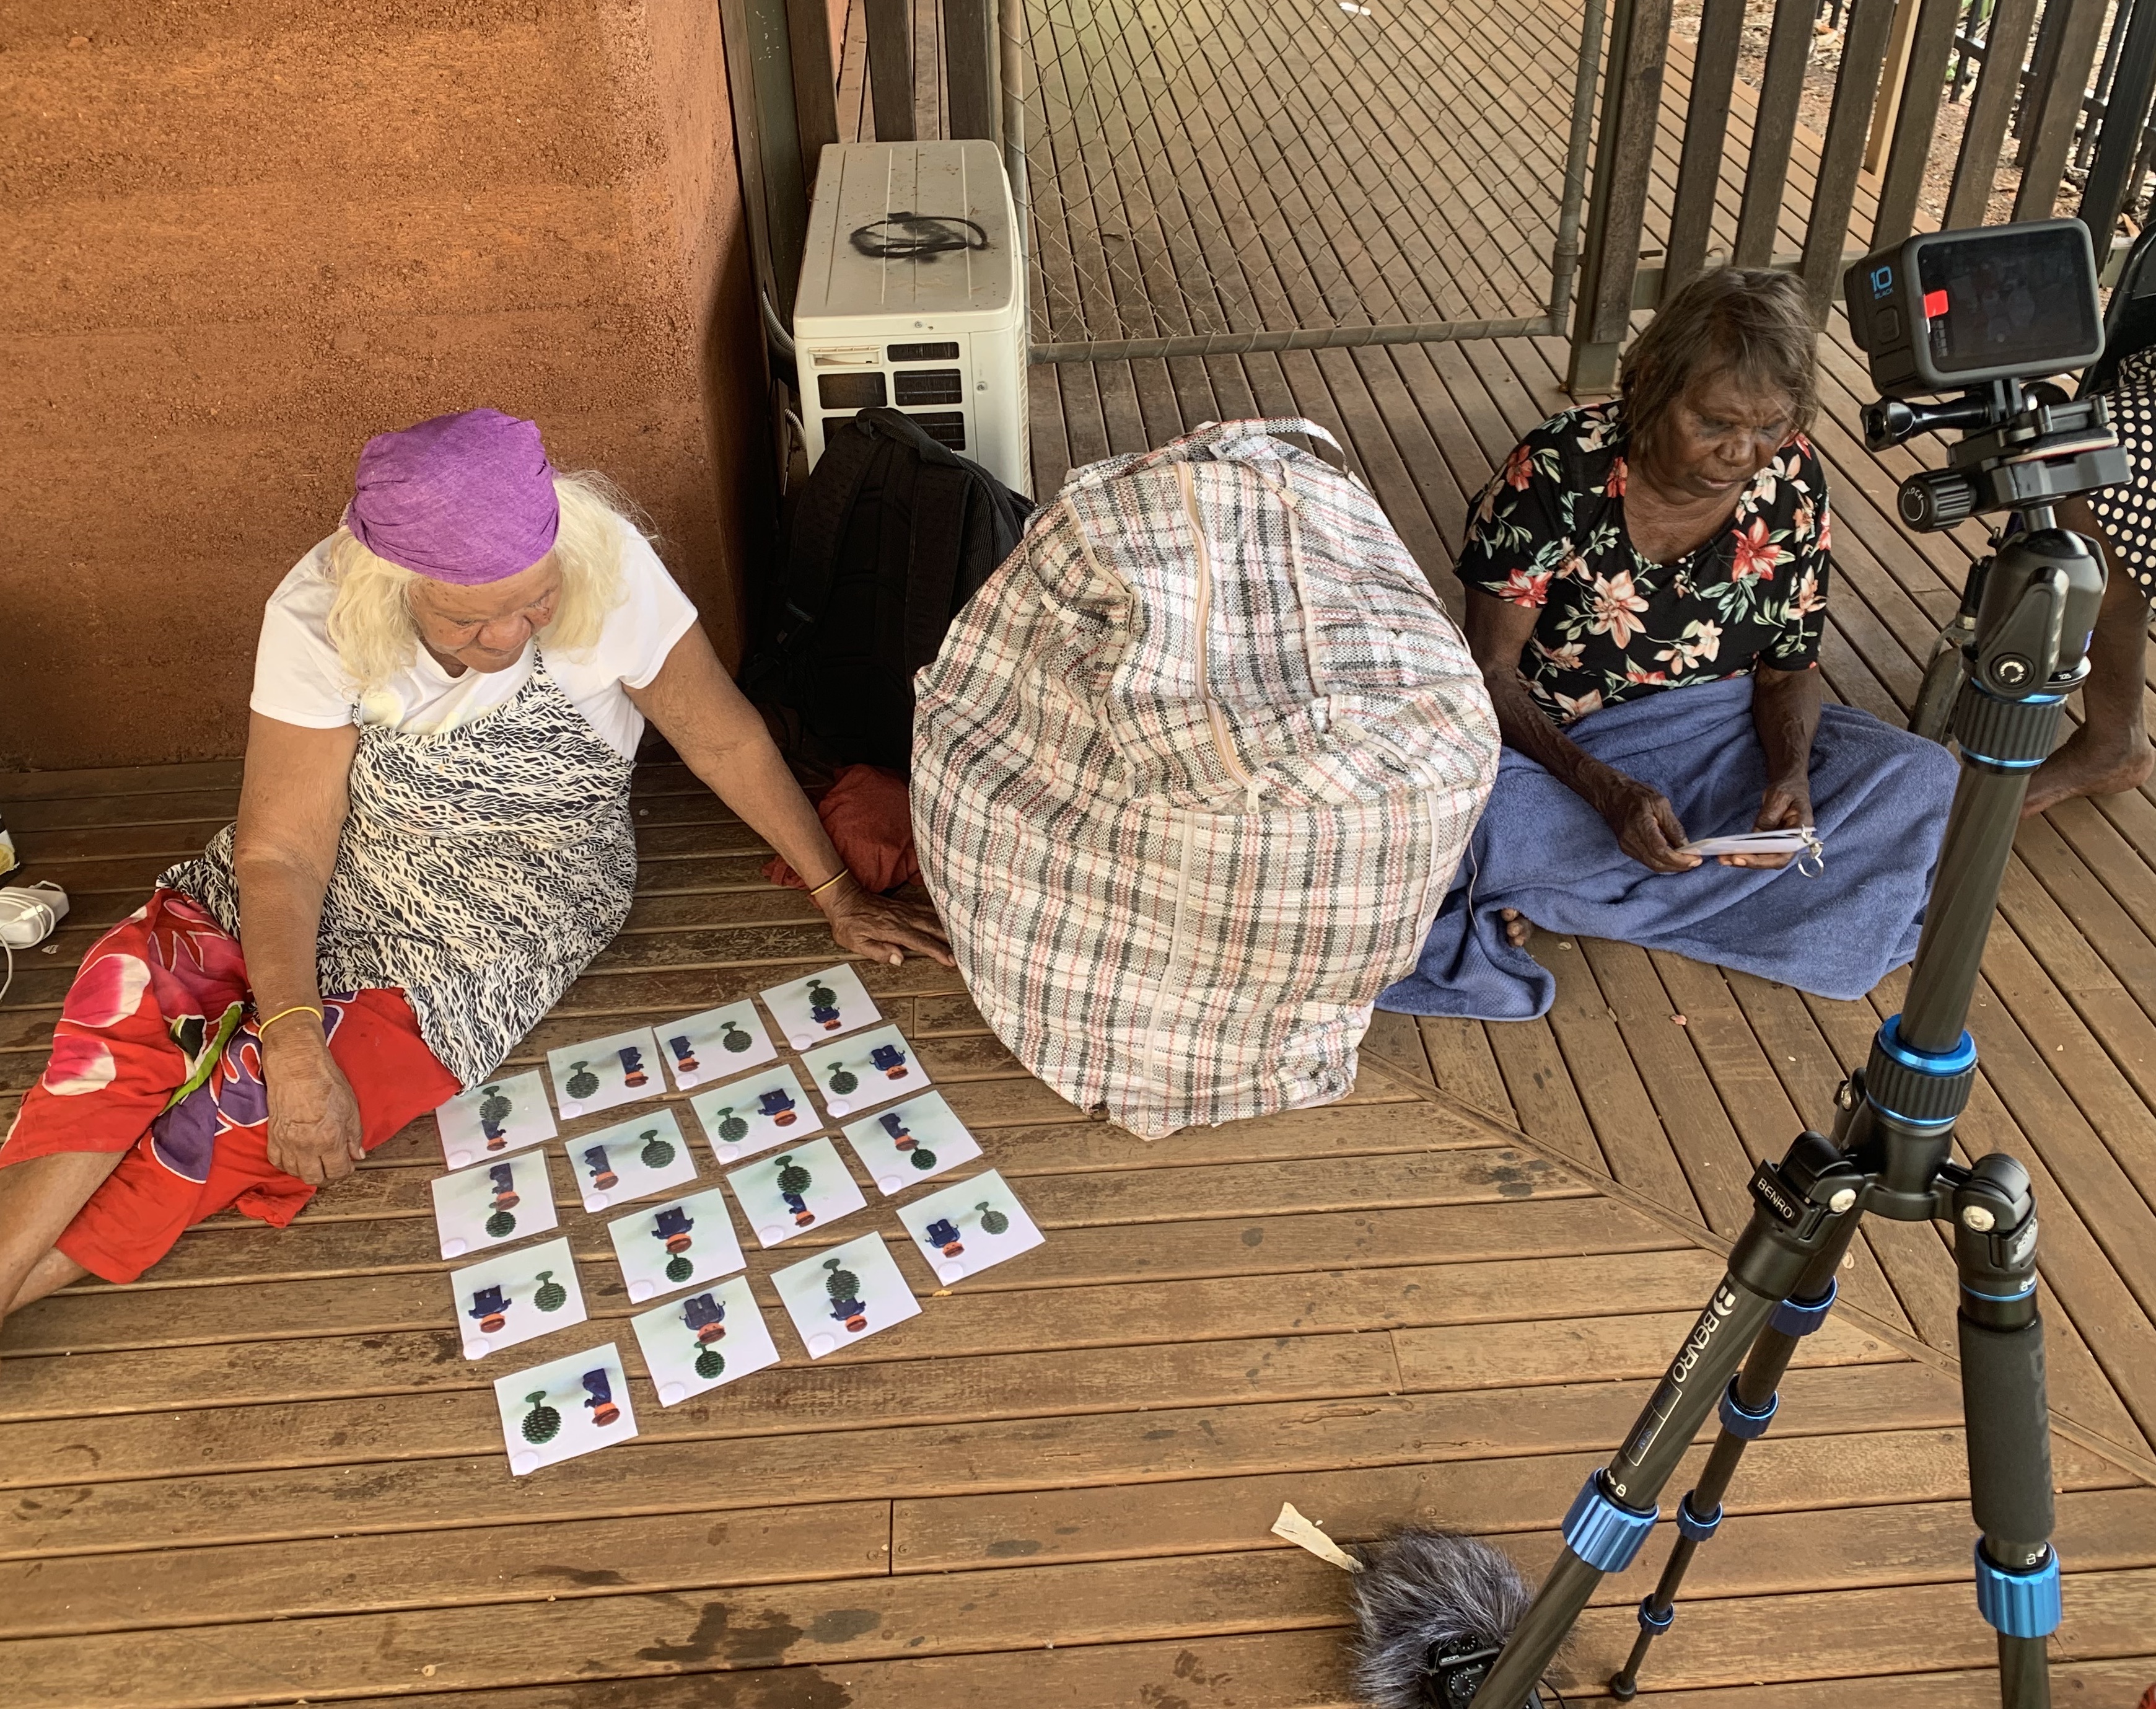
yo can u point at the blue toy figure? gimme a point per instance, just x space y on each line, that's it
503 1177
632 1065
777 1105
602 1174
705 1317
893 1124
890 1060
673 1228
685 1053
600 1390
944 1233
490 1308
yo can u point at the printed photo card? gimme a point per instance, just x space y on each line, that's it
841 1295
865 1071
794 1190
643 1155
963 1229
503 1115
677 1245
476 1209
698 1342
751 1115
910 1142
718 1042
569 1406
821 1005
605 1073
517 1296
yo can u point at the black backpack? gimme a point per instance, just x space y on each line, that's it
889 536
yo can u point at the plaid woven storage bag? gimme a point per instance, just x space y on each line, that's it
1191 775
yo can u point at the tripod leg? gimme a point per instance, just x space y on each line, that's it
1801 1207
2009 1426
1749 1406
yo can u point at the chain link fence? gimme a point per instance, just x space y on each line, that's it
1218 175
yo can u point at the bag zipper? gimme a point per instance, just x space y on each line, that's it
1230 760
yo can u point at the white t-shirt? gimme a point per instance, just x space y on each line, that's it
298 679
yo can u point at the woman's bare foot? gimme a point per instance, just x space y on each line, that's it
2090 762
1518 929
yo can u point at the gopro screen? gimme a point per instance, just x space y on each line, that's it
2008 298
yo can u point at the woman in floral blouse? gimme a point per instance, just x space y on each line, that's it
1675 535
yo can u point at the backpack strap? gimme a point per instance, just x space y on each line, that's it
934 556
819 523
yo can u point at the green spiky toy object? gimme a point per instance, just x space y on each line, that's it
582 1082
992 1222
710 1363
840 1284
679 1269
543 1423
657 1154
499 1225
551 1295
730 1126
842 1081
923 1158
734 1038
793 1178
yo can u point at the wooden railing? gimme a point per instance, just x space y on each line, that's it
1893 77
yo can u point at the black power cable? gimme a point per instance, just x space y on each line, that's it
918 237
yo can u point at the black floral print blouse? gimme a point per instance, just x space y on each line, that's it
1548 531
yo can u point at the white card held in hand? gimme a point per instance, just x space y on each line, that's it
676 1245
1788 842
840 1296
476 1209
502 1116
753 1114
965 1228
643 1155
918 1139
693 1344
799 1188
515 1297
718 1042
570 1406
865 1071
820 1005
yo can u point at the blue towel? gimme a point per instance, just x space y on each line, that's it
1879 798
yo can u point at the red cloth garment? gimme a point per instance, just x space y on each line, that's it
157 1054
868 817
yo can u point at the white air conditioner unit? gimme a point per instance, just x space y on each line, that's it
941 335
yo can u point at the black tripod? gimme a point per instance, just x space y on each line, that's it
1891 1157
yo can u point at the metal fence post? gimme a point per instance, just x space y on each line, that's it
1624 157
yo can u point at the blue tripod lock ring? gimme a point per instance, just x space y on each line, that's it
1602 1531
2023 1604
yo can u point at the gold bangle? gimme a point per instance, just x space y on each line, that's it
262 1027
843 872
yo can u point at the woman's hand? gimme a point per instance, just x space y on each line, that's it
886 927
1644 823
314 1118
1786 805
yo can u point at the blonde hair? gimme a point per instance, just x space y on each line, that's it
371 622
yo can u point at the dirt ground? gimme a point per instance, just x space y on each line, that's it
1820 71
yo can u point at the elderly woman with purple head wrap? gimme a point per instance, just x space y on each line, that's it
433 841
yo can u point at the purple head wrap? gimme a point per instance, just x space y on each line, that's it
466 498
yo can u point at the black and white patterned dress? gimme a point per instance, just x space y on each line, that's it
480 870
2128 512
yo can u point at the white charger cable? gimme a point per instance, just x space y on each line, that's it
29 914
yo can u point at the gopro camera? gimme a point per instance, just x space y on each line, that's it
1949 312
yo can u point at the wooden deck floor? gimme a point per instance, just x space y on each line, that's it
266 1474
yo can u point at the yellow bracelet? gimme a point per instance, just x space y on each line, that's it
262 1027
843 872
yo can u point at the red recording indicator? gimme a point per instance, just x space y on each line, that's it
1935 305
